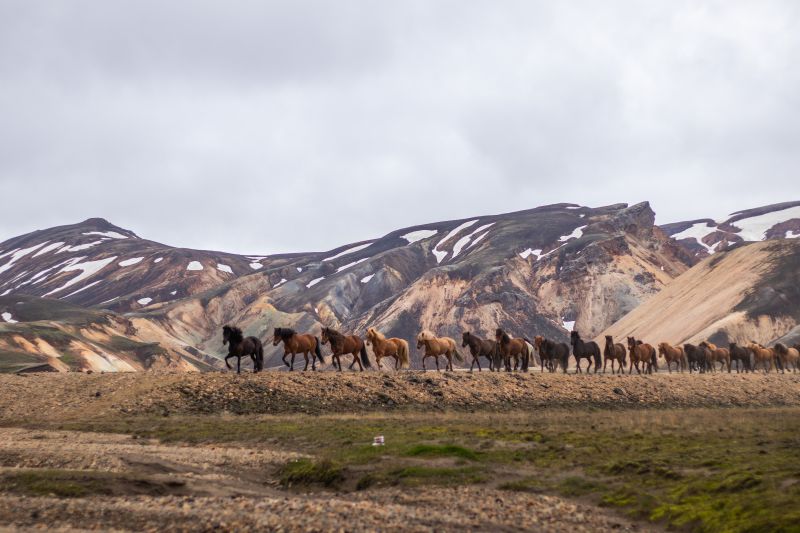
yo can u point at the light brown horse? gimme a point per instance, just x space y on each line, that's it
762 355
788 357
641 352
295 343
613 352
393 347
518 349
345 344
718 355
672 354
435 346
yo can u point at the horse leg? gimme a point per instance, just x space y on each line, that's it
476 360
238 365
285 362
436 358
292 367
305 356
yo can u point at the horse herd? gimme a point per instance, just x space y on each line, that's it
505 352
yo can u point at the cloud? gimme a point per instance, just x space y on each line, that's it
264 127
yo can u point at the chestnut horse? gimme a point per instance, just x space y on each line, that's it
764 356
641 352
383 347
508 348
479 347
436 346
789 357
741 356
295 343
718 355
239 346
584 350
672 354
613 352
345 344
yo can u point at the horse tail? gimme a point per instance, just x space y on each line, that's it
402 353
598 360
654 358
364 356
531 352
459 357
318 351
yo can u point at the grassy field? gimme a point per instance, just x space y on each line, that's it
694 469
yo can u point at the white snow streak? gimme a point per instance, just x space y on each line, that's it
577 233
110 234
18 254
348 265
78 247
281 282
698 232
419 235
314 282
48 248
7 317
92 284
144 301
224 268
195 265
256 266
129 262
459 245
88 269
568 325
366 279
754 228
440 255
158 259
352 250
537 252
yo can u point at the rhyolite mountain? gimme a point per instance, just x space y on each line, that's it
541 271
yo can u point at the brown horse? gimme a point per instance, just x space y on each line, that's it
517 349
383 347
345 344
641 352
718 355
613 352
672 354
295 343
762 355
479 347
740 355
239 346
788 357
435 346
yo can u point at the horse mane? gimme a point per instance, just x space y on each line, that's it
378 335
285 333
235 334
426 335
333 334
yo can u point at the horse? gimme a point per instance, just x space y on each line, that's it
718 355
641 352
696 357
518 349
393 347
584 350
789 357
672 354
479 347
436 346
345 344
765 356
555 353
239 346
613 352
295 343
741 355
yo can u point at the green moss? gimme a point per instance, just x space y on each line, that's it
308 472
446 450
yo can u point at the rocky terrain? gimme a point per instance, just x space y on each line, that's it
544 271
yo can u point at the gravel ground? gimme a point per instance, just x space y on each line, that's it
53 396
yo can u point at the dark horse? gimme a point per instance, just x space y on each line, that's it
697 357
346 344
295 343
239 346
614 351
479 347
741 356
555 353
508 348
585 350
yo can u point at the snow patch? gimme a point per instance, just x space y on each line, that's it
8 318
529 252
419 235
348 265
792 234
144 301
577 233
78 247
366 279
440 255
18 254
195 265
48 248
132 261
256 266
459 245
174 293
754 228
110 234
698 232
352 250
224 268
88 269
569 325
314 282
158 259
92 284
299 269
281 282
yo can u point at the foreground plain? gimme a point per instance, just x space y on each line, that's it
480 452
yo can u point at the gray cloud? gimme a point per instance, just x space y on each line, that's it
263 127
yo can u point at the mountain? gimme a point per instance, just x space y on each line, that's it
705 236
750 292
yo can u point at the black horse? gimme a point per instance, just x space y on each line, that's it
696 357
556 353
239 346
480 347
741 355
585 350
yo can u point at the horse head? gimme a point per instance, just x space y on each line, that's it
324 338
277 336
465 338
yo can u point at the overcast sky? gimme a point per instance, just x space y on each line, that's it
260 127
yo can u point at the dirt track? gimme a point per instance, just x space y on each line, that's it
74 395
